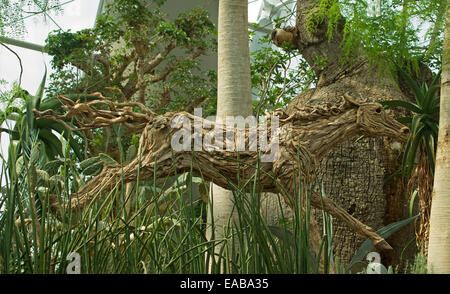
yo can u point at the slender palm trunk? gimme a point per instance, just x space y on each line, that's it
233 91
439 243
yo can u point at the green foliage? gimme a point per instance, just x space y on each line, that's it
107 160
417 266
325 9
135 53
19 109
384 232
160 227
424 123
393 34
91 166
196 24
157 227
13 97
63 45
278 75
132 49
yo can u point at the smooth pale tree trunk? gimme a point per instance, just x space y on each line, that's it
439 242
233 91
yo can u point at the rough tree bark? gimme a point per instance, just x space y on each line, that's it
354 173
439 242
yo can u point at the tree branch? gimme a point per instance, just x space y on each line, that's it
20 62
152 64
194 103
172 67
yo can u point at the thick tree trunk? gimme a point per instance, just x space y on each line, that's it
354 173
233 94
439 242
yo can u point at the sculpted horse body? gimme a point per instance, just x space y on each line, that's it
303 138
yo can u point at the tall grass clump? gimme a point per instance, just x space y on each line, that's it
257 247
156 226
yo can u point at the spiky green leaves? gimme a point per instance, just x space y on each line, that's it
424 122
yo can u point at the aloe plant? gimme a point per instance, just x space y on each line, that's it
423 123
26 123
421 145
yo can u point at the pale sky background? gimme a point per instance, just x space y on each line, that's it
77 15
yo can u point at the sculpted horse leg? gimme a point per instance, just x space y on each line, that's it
294 187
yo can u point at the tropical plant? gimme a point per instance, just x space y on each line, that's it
356 50
19 109
395 25
423 123
367 246
275 80
163 232
135 53
157 227
420 150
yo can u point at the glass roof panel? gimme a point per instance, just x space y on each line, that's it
74 15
